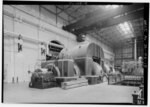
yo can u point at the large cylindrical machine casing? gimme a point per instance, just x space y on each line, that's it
83 50
87 50
84 55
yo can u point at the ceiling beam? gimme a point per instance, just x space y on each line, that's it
115 21
64 9
102 14
77 10
48 10
67 13
112 21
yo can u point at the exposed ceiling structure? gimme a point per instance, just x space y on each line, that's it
113 23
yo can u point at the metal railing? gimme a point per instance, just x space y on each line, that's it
138 97
128 80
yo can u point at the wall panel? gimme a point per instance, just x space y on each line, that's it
26 23
8 23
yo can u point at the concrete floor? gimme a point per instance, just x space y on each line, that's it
99 93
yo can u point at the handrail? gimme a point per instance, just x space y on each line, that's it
138 97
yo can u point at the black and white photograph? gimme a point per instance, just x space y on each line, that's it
67 52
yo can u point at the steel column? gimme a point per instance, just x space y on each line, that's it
135 49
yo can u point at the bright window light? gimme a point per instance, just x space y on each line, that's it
112 6
115 6
126 28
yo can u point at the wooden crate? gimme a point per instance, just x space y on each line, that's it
93 79
75 83
59 80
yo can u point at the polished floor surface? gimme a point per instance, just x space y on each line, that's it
99 93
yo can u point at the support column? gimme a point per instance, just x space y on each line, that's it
135 49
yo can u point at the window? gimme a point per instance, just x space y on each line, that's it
112 6
126 29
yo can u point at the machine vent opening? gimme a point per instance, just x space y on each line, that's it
54 49
56 42
96 59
